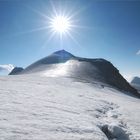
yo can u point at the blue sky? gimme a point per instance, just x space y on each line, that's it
105 29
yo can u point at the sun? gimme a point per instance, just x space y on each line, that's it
60 24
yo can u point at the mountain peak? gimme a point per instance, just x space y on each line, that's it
136 80
63 53
16 70
64 64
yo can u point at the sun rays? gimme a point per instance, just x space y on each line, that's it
58 23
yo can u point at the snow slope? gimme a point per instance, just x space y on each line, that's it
38 107
64 64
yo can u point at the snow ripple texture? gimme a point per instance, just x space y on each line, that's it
42 108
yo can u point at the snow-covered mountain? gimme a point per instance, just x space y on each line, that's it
16 70
64 64
64 97
136 80
136 83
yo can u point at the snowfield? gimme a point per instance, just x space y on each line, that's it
36 107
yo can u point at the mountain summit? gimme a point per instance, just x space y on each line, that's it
63 53
64 64
56 57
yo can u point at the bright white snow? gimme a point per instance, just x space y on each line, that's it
34 107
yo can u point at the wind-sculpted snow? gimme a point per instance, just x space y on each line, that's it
34 107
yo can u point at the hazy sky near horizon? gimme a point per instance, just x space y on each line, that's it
104 29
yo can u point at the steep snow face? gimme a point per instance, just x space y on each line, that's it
34 107
55 58
74 69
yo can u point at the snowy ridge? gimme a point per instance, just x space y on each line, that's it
57 57
64 64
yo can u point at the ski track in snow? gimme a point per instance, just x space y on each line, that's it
40 108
